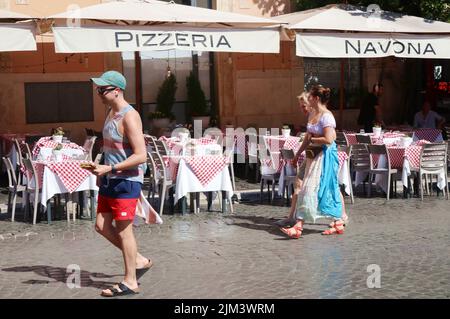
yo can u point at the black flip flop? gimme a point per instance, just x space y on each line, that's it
141 271
124 291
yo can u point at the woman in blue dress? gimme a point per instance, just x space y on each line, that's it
319 196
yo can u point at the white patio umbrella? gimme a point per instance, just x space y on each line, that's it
156 25
345 31
16 34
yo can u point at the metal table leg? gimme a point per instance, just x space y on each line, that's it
93 206
209 197
224 202
49 212
183 205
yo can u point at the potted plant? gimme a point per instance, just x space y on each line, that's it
286 131
58 153
164 101
58 134
196 100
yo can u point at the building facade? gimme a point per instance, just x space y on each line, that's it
243 89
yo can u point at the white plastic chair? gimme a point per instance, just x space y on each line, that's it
152 179
13 187
163 182
341 138
363 139
348 150
30 189
433 161
269 175
215 134
360 160
288 180
20 157
89 146
379 150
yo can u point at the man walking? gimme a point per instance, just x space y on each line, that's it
122 176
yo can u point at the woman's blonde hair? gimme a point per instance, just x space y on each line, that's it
303 97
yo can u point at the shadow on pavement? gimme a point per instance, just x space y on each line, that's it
267 224
62 274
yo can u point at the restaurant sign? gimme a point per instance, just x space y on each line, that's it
360 45
122 39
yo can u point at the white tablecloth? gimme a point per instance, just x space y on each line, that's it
187 182
343 177
52 185
382 181
46 152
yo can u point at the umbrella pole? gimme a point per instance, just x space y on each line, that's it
341 95
138 81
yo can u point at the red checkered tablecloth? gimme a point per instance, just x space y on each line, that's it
205 168
351 138
267 162
47 142
69 172
342 156
431 135
173 144
171 164
398 154
276 143
203 141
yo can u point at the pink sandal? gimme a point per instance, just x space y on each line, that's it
336 227
293 232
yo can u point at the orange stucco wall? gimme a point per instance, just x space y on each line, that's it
259 89
44 65
43 8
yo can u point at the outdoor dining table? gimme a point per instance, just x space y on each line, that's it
403 158
274 144
44 147
200 173
278 142
343 173
428 134
386 137
63 177
178 147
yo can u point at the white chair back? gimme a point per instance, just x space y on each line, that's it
433 157
88 146
12 178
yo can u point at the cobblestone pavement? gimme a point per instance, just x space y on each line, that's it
242 255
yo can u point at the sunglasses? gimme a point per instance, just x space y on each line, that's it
102 91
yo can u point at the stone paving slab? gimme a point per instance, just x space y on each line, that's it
242 255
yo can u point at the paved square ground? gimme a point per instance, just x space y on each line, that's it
242 255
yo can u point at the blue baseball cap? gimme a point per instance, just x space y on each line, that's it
112 78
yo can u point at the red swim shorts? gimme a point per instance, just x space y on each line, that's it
121 208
